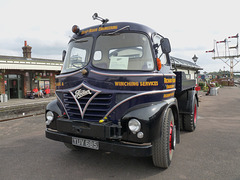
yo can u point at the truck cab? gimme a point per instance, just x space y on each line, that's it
117 92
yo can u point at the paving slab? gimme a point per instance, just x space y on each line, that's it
18 108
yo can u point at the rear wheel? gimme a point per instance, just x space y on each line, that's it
163 146
190 120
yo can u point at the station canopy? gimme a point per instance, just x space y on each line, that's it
21 63
184 64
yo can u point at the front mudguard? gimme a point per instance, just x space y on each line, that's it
151 114
54 106
57 110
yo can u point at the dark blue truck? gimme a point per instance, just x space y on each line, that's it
117 92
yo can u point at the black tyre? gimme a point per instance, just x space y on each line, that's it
163 146
190 120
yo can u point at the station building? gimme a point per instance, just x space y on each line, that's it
190 69
20 75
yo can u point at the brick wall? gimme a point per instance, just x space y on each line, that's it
52 83
27 79
2 86
26 84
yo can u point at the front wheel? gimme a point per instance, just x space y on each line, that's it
164 145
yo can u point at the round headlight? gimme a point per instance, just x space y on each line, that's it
50 116
134 125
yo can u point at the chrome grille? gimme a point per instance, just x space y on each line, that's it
96 109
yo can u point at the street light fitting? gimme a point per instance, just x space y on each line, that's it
195 58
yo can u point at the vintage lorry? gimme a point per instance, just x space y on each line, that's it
117 92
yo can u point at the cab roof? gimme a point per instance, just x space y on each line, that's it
114 27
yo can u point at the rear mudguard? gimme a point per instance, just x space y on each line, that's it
153 113
186 101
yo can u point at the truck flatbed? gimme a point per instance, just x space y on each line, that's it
182 83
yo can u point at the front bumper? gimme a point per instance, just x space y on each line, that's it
110 146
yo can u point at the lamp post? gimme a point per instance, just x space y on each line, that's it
195 58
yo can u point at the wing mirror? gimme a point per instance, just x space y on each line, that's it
165 45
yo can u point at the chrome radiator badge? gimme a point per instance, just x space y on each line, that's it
80 93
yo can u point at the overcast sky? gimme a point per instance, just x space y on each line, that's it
190 25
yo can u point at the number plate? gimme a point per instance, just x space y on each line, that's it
87 143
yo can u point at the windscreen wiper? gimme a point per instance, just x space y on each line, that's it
78 40
115 32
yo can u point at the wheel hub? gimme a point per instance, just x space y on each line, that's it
195 115
172 137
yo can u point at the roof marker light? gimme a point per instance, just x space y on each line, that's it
75 29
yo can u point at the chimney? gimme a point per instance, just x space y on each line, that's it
27 50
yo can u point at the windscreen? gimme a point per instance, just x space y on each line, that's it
125 51
78 54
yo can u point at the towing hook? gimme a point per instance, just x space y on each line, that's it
77 130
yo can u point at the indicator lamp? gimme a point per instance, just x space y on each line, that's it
159 64
140 135
75 29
